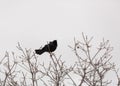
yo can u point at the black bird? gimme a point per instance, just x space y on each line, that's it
47 48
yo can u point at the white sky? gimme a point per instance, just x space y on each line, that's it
34 22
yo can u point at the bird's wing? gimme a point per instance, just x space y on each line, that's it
51 44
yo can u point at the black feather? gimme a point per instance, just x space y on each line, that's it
47 48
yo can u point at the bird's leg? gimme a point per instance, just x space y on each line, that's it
50 54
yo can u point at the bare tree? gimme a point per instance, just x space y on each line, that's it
9 72
92 66
57 71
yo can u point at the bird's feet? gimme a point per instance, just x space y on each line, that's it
51 54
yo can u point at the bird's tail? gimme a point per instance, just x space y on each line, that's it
39 51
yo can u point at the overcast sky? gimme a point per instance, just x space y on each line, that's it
34 22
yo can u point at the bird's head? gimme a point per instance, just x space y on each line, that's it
55 42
